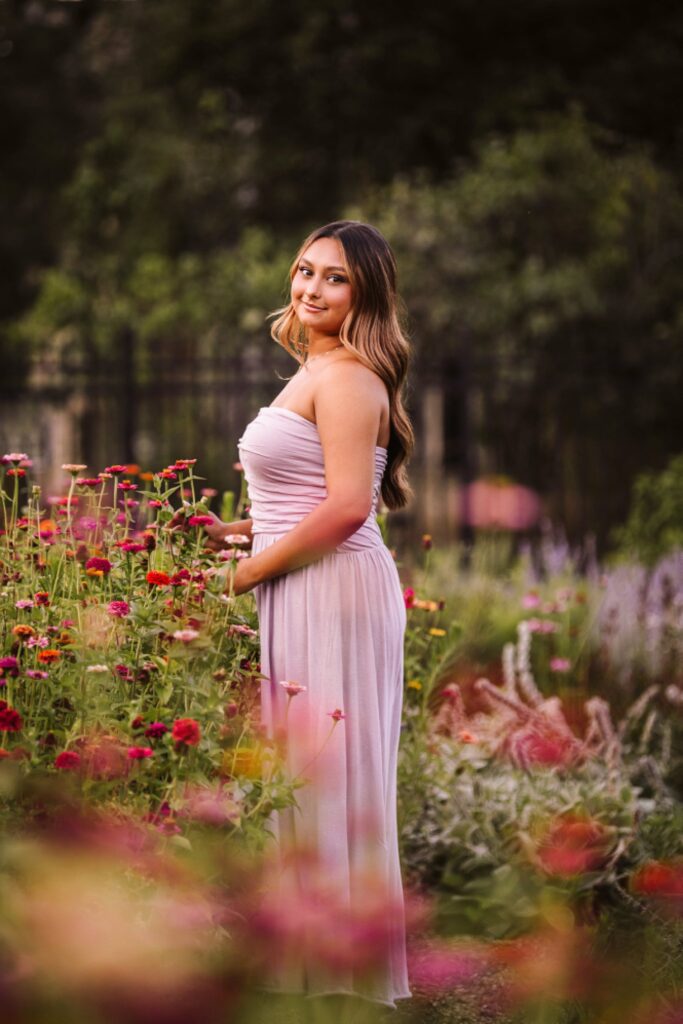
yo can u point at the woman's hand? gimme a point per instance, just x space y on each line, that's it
216 531
242 580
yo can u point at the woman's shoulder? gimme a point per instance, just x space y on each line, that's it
347 372
349 382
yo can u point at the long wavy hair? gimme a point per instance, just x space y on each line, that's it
372 331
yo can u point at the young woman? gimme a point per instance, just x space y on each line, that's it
330 606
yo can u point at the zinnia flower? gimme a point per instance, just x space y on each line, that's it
42 598
98 565
10 719
185 636
239 630
35 673
156 730
291 689
139 753
119 609
659 879
23 603
409 597
187 731
68 761
560 664
49 655
157 579
336 715
200 520
88 481
15 457
97 668
73 468
9 666
116 470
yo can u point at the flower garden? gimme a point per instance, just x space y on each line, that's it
540 779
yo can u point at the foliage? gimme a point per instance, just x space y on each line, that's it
123 661
654 525
544 275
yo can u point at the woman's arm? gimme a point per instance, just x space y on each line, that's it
348 405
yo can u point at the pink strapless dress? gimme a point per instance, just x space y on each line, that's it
335 626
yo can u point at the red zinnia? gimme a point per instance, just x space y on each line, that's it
187 731
68 761
659 878
158 579
42 598
10 719
200 520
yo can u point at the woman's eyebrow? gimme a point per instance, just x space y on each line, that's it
304 260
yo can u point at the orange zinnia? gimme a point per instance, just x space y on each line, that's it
49 655
23 631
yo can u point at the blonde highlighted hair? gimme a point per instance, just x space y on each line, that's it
372 331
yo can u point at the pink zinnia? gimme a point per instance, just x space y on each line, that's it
119 609
116 470
409 597
200 520
9 666
291 689
560 664
139 753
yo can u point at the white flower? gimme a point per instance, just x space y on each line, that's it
186 636
291 689
97 668
235 538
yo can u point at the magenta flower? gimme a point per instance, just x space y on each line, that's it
560 664
96 564
9 666
156 730
336 715
119 609
200 520
139 753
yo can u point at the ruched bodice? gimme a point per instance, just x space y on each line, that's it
283 463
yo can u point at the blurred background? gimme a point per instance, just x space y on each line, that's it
161 163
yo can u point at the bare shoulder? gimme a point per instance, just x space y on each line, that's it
350 379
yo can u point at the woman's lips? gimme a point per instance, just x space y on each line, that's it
312 309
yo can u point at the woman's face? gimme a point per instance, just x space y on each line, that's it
321 290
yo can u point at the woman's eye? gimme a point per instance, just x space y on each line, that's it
304 270
336 279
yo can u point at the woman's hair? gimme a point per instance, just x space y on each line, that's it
371 331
